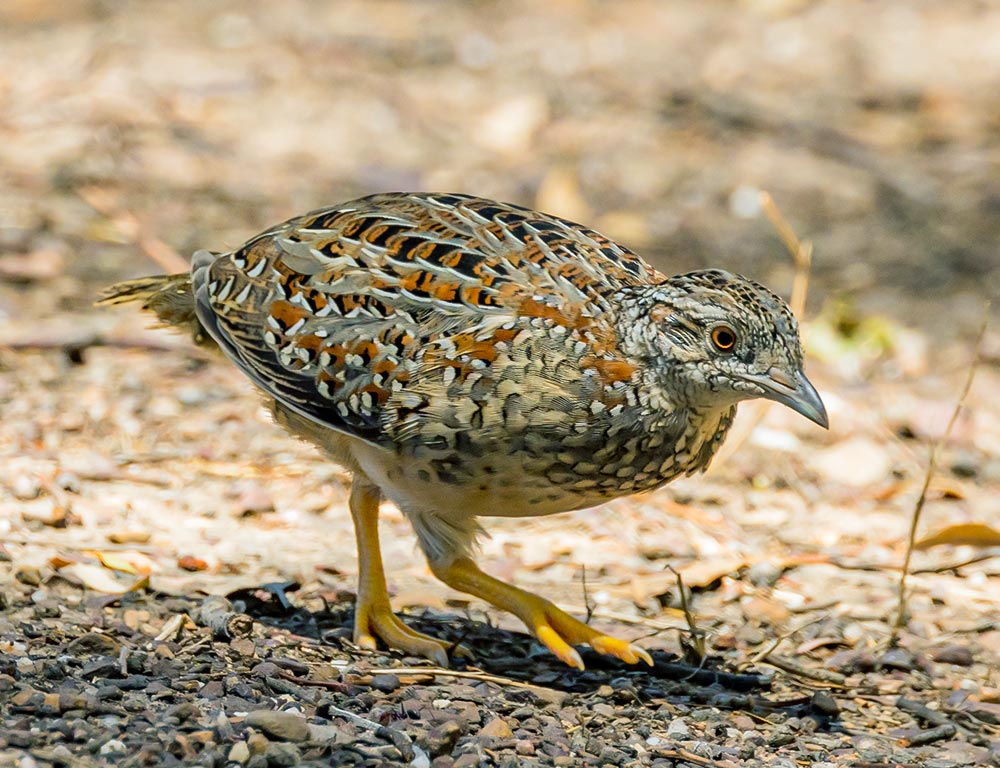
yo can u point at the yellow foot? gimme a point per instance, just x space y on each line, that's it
378 622
559 632
555 629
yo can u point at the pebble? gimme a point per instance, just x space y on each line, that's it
279 754
764 573
112 747
954 654
441 738
29 575
386 683
257 743
678 729
239 753
524 747
280 725
496 728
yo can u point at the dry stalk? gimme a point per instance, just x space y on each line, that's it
902 612
801 253
697 645
129 225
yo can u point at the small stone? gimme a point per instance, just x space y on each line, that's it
898 658
780 736
497 728
280 725
29 575
954 654
420 759
441 738
605 691
764 573
257 742
283 754
26 488
678 729
18 738
385 683
825 703
324 733
112 747
239 753
524 747
603 710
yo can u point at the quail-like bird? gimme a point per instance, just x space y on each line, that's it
466 358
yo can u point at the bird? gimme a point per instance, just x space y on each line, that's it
465 358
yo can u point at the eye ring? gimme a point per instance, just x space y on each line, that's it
724 338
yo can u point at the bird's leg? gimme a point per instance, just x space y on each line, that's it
373 616
554 628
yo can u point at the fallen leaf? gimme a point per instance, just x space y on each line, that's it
99 579
189 563
126 562
976 534
820 642
695 575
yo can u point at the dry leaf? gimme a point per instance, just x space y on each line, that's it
189 563
698 574
976 534
820 642
99 579
126 562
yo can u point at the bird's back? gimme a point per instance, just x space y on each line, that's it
379 317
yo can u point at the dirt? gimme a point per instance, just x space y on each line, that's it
140 481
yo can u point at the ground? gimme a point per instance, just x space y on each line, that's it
140 479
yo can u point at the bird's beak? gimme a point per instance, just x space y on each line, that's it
797 392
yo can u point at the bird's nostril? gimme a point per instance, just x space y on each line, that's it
780 377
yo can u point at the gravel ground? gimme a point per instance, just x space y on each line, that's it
176 574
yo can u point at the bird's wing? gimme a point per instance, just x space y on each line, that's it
335 312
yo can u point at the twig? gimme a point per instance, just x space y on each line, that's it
697 638
793 667
800 250
129 225
902 613
217 613
801 253
586 597
943 727
685 755
762 655
469 674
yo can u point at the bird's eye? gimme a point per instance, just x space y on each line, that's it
724 338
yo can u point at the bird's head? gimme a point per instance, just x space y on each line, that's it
715 338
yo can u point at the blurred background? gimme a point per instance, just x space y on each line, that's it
134 132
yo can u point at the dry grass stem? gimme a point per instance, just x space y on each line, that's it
130 227
902 612
801 253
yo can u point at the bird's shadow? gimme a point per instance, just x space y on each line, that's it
517 656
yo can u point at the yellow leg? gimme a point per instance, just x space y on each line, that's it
373 616
553 627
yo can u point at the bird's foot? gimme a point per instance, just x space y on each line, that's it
554 628
559 632
378 622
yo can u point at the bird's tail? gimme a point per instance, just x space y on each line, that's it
169 297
